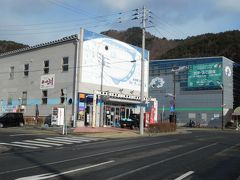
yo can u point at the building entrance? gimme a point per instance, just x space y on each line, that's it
113 114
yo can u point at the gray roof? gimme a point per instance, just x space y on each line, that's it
64 39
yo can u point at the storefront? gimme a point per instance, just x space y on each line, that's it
110 110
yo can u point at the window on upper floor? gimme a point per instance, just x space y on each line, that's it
11 74
46 67
24 98
44 97
65 64
9 100
62 96
26 70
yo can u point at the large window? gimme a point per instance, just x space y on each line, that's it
11 74
24 98
44 97
65 64
26 70
46 67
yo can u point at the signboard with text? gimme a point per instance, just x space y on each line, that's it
205 75
47 81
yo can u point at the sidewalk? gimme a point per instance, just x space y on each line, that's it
101 132
112 132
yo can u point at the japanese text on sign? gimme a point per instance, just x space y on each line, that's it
47 81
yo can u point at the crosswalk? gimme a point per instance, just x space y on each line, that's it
49 142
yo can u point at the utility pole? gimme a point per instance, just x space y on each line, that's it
65 112
101 90
222 107
174 97
142 103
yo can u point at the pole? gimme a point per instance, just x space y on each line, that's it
222 109
101 89
94 109
142 72
65 112
79 53
174 95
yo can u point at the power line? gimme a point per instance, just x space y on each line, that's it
172 27
73 67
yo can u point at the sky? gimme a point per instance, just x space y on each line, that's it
37 21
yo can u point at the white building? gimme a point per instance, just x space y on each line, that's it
37 79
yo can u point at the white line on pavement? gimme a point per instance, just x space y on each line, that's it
159 162
51 175
87 156
18 145
22 135
67 140
79 138
59 140
31 144
73 140
42 142
185 175
52 141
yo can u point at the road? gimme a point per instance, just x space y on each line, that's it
200 154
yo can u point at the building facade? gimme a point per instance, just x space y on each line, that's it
68 73
197 89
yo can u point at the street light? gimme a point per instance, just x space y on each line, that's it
176 71
104 62
101 88
222 105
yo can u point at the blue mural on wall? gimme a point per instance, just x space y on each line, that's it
116 62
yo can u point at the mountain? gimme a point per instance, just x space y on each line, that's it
221 44
6 46
157 46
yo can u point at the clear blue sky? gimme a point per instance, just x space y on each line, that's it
37 21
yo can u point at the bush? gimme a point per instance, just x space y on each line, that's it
161 127
30 120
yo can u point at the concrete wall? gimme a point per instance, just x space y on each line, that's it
35 58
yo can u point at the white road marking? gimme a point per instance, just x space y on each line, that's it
59 141
18 145
73 140
52 141
74 137
87 156
184 175
31 144
42 142
22 135
67 140
159 162
51 175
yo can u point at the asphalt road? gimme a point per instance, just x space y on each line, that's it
196 155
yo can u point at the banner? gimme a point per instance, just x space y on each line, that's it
205 75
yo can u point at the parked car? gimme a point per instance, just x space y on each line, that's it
11 119
131 122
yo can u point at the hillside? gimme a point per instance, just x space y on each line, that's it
6 46
221 44
157 46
